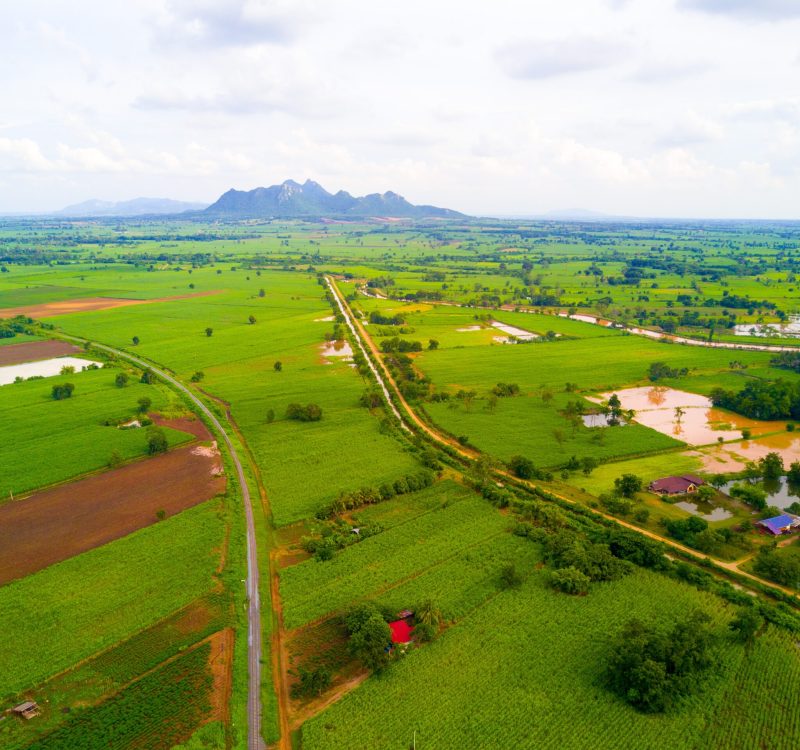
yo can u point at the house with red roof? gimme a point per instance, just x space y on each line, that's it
680 485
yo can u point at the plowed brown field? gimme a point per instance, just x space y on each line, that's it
57 523
16 354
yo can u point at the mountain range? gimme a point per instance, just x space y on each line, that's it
135 207
309 199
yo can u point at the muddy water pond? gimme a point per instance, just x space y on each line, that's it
685 416
44 368
706 511
336 349
599 420
734 456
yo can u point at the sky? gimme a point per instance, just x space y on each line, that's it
656 108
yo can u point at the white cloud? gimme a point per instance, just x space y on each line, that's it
534 59
768 10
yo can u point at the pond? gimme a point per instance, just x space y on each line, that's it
706 511
780 492
599 420
517 333
43 368
336 349
770 330
685 416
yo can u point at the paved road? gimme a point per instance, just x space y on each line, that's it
254 741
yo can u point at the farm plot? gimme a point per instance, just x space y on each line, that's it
75 608
313 589
158 711
55 524
525 670
76 439
14 354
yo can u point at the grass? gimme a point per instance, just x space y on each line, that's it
75 608
77 440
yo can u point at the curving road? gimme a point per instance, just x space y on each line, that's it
254 741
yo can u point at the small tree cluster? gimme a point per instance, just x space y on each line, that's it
370 635
307 413
373 495
62 391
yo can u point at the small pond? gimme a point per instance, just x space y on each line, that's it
44 368
780 492
706 511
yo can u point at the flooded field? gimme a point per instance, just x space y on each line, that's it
600 420
332 349
734 456
770 330
468 329
43 368
686 416
513 331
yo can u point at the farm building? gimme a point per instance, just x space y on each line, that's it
783 524
401 631
686 483
26 710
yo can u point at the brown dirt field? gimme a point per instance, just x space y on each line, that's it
88 304
190 424
220 665
57 523
16 354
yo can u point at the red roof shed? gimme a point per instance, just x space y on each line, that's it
401 631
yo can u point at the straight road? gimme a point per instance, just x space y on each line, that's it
254 741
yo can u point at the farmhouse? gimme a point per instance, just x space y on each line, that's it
686 483
26 710
783 524
401 631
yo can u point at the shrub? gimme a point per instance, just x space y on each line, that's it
570 580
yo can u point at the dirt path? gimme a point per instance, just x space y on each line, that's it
471 455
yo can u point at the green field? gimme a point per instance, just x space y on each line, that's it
524 670
77 607
77 440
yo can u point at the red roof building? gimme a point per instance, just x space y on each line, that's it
401 631
676 485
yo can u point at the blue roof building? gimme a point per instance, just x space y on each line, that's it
782 524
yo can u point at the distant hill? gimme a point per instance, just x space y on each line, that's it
291 199
135 207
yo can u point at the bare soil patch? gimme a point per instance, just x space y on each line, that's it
89 304
220 663
57 523
17 354
189 424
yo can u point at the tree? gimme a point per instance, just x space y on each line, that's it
570 580
261 293
115 459
705 493
135 340
747 624
651 667
312 681
628 485
209 331
121 380
156 441
278 366
308 413
63 391
67 370
794 473
270 416
198 376
510 577
148 377
432 344
588 465
427 620
144 404
749 494
370 636
771 466
251 319
522 467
